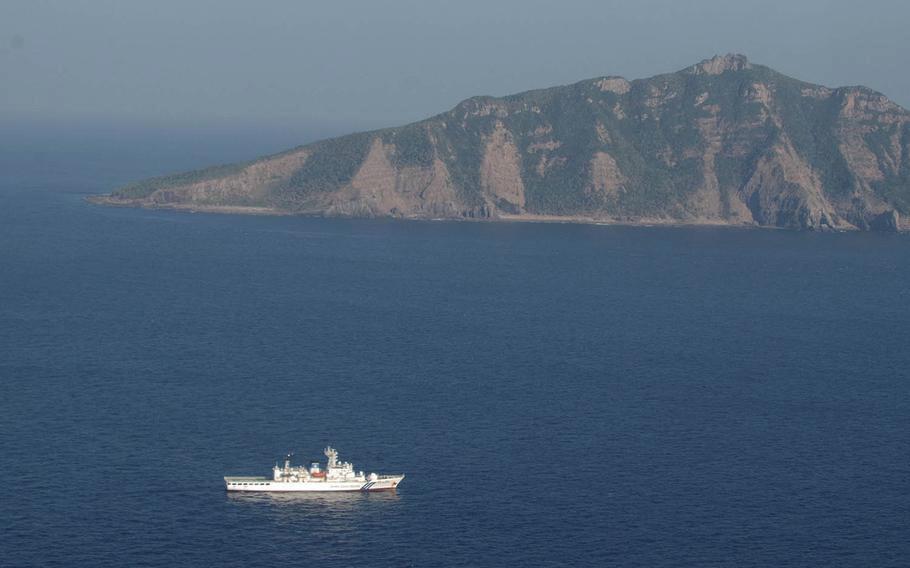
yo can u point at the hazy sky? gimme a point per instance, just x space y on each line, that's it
387 62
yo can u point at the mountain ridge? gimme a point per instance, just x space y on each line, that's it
721 142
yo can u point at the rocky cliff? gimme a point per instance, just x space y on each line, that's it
722 142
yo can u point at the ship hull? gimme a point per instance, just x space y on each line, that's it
265 485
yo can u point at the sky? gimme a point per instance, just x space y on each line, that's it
384 63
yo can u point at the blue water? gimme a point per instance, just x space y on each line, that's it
556 394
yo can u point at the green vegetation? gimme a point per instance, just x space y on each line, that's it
564 187
331 164
462 151
144 188
811 125
895 188
412 145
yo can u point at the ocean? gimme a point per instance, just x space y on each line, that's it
556 394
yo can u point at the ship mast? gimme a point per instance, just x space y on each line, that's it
332 456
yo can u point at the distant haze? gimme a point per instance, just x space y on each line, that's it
385 63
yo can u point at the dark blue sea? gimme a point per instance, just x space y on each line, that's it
557 395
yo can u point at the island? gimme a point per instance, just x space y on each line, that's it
723 142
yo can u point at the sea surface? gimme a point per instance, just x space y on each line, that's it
556 394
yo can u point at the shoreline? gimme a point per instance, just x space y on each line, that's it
105 200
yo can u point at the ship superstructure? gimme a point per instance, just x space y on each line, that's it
337 476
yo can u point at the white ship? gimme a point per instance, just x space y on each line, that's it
337 476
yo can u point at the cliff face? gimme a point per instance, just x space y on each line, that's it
723 141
